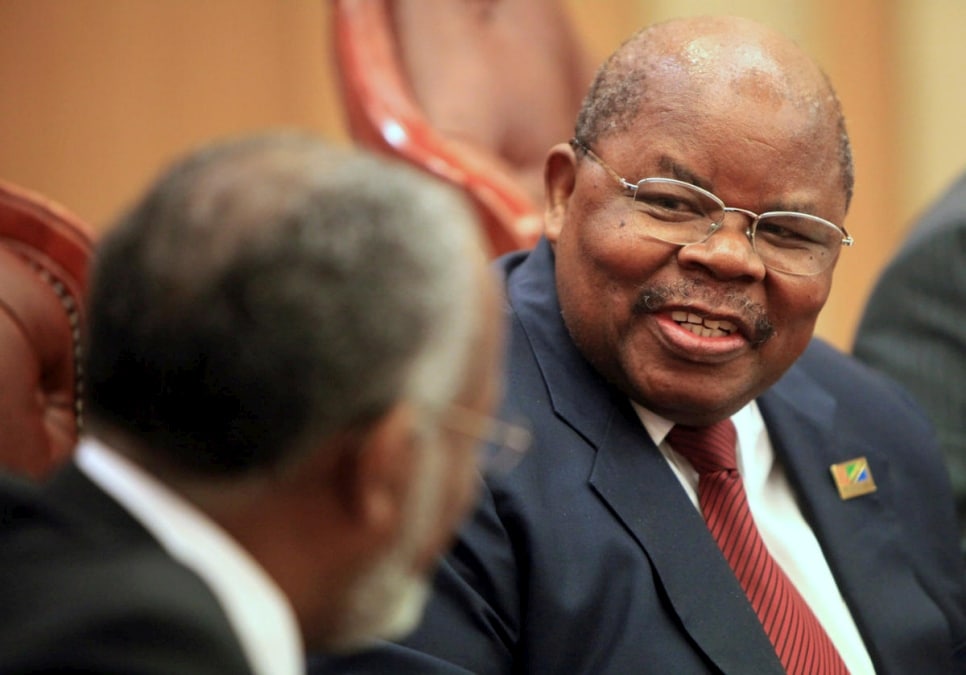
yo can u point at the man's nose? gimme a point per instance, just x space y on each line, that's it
727 253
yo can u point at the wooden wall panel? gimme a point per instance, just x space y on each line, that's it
97 95
861 65
930 97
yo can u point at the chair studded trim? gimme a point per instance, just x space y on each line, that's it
46 249
71 308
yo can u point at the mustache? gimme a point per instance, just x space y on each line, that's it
656 297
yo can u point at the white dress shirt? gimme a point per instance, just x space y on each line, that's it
257 610
787 536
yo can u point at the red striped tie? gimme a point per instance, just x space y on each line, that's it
799 639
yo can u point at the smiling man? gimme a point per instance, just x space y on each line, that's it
710 489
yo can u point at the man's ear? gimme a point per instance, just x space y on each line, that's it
559 176
375 479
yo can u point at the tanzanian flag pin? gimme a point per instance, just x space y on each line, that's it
853 478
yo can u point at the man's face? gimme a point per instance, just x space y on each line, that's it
387 602
760 156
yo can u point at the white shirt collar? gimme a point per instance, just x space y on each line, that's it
755 458
782 526
257 610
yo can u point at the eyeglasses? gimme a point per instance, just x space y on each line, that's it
501 444
680 213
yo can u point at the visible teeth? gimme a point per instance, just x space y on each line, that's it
703 331
703 327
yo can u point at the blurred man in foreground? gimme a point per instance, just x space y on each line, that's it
293 351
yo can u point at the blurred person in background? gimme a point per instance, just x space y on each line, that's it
914 327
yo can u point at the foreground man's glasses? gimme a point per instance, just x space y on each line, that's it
677 212
501 444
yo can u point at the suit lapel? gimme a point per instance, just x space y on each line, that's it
858 536
94 511
633 479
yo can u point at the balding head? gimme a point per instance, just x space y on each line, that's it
281 332
289 289
695 60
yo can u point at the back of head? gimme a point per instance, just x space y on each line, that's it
712 57
270 291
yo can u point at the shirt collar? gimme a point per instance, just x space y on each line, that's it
257 610
755 455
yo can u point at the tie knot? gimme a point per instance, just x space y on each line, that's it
709 449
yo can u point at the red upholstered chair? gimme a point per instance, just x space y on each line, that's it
44 254
472 91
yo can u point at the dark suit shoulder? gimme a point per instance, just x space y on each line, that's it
72 601
876 418
856 385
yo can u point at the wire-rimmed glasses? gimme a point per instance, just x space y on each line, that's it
501 444
680 213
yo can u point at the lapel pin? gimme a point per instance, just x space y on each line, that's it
853 478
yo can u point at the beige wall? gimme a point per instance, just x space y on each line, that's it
930 95
97 95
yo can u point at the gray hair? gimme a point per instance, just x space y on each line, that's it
270 291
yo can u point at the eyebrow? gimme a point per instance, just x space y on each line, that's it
680 172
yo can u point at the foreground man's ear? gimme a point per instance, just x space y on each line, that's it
376 476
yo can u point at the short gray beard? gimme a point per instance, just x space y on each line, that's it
387 603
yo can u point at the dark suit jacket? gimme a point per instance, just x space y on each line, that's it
590 558
85 588
914 327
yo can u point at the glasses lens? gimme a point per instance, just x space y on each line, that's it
677 213
500 444
797 243
503 446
